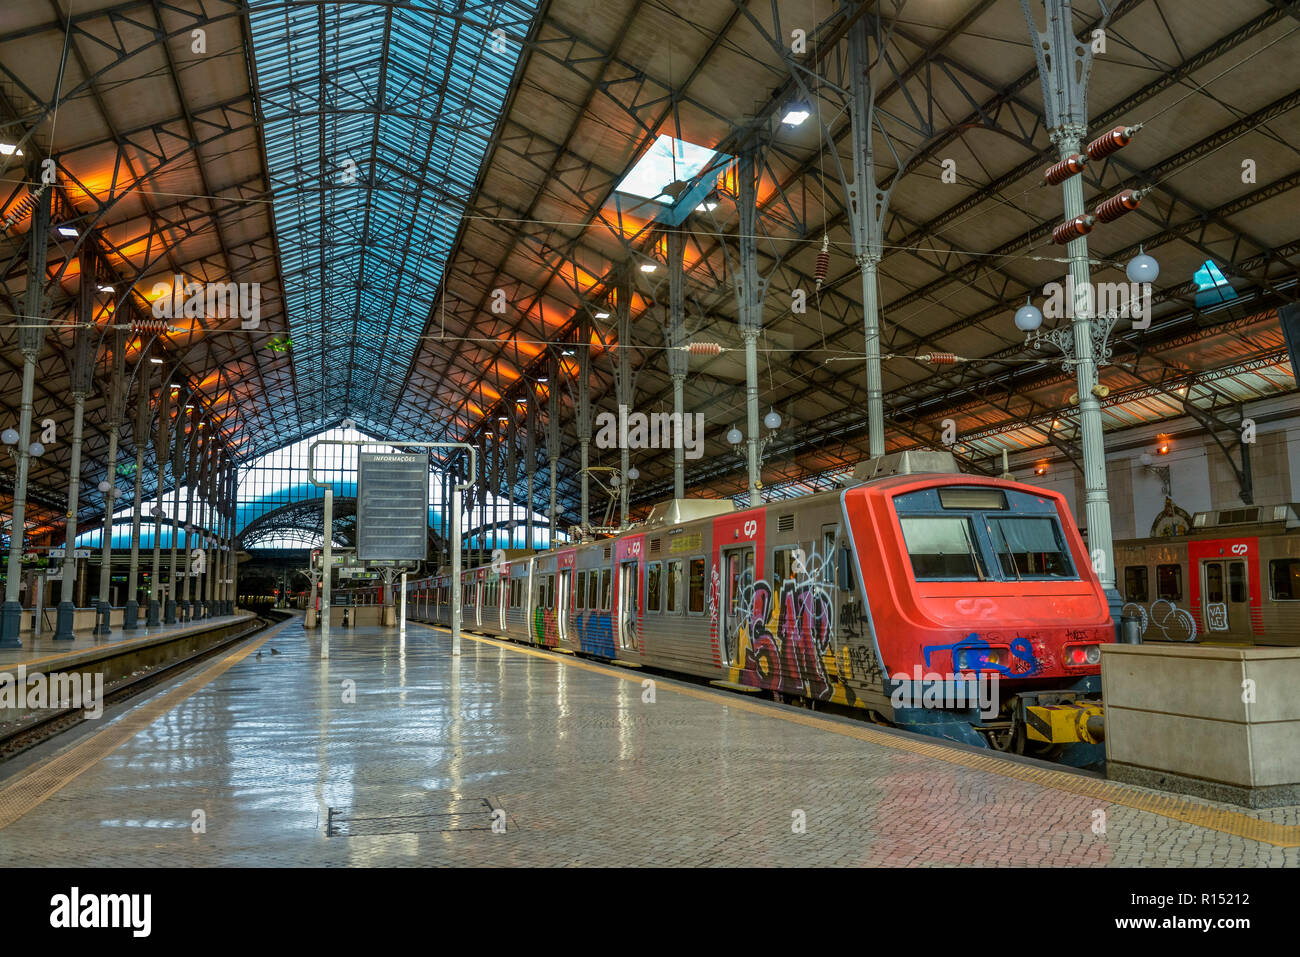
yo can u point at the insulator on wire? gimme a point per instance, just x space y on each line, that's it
149 325
1111 142
1119 204
938 358
1073 229
823 262
1070 166
24 206
704 349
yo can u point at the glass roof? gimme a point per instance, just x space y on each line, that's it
668 161
376 120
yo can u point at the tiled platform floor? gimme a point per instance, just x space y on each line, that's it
586 771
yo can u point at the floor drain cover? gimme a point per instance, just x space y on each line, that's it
467 814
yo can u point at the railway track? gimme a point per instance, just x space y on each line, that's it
22 736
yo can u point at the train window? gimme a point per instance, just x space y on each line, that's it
1135 583
1236 581
1213 582
942 549
846 569
550 591
593 590
829 534
673 598
1169 582
1030 548
783 567
696 603
604 589
653 593
581 601
1284 579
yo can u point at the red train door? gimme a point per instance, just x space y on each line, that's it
628 557
737 569
564 593
1225 588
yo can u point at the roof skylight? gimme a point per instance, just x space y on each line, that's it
667 162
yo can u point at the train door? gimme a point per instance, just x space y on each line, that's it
628 602
562 605
503 596
1226 591
736 600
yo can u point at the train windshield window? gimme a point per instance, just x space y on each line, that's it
1284 577
654 572
1030 548
604 589
1135 583
582 590
696 603
942 549
1169 582
674 586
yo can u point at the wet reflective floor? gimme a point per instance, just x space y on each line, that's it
392 752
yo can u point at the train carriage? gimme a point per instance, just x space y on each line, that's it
913 579
1233 578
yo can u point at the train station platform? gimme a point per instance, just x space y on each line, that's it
392 752
42 651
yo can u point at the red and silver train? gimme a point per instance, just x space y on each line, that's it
899 594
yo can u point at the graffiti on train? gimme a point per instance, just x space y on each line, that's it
782 637
1164 621
974 653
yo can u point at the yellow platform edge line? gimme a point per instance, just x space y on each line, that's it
1223 820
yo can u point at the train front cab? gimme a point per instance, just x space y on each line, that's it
988 580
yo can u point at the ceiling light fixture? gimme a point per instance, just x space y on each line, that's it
69 231
796 112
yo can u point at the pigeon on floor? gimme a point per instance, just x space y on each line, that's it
274 652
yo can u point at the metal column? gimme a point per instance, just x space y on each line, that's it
584 410
131 610
867 207
750 303
191 471
677 361
31 336
512 466
178 474
553 436
83 370
116 402
530 462
495 484
160 443
1064 66
623 379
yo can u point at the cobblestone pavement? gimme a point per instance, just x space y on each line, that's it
415 751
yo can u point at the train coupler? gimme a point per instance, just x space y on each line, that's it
1065 722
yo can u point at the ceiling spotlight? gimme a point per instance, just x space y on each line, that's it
69 231
567 352
648 267
9 149
602 315
543 380
707 206
107 289
796 112
1040 469
155 360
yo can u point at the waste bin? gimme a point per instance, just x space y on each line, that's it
1130 630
